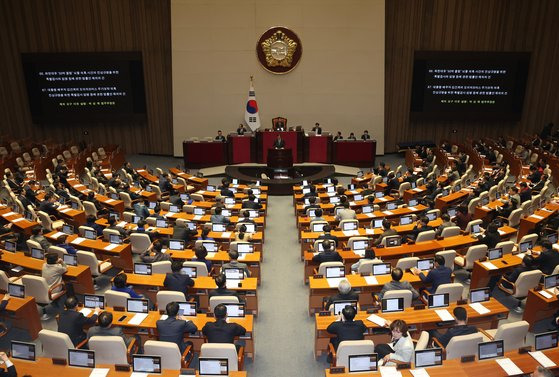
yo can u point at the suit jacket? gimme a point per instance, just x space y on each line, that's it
331 256
10 372
173 330
141 210
351 295
72 322
455 331
547 261
386 233
219 219
236 264
48 207
525 195
109 331
178 282
222 292
396 285
227 192
156 257
222 332
436 277
328 237
491 239
251 205
279 144
346 331
182 233
441 227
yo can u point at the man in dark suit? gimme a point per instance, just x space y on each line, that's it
534 175
492 236
105 328
328 255
182 232
173 328
251 202
11 371
71 321
175 281
345 328
47 205
525 192
327 236
461 328
420 226
220 331
225 190
387 231
548 259
221 290
345 293
279 143
437 276
164 183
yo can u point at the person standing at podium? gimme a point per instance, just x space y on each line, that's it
279 143
317 129
241 130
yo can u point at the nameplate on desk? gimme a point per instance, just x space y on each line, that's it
324 313
66 210
122 368
78 240
337 370
58 361
403 366
419 307
9 214
188 372
523 350
467 358
537 217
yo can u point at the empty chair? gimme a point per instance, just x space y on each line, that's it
224 351
201 268
449 256
513 334
427 235
114 298
450 231
165 297
454 291
139 242
526 280
216 300
111 349
162 267
89 208
125 197
5 280
56 344
473 254
197 197
407 295
36 286
171 357
97 267
48 223
350 347
461 345
423 341
407 263
471 225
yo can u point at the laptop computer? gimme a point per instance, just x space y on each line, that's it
340 305
381 268
37 253
335 199
212 367
115 239
210 246
490 350
184 197
94 301
525 246
412 202
495 253
192 272
318 227
431 216
161 223
75 205
245 248
152 205
405 220
552 237
135 219
479 295
188 308
199 211
428 357
173 209
426 264
10 246
395 304
16 290
350 225
475 229
136 305
551 281
235 310
70 260
28 215
546 340
234 273
334 272
219 227
360 245
67 229
190 225
357 197
210 188
81 358
393 241
451 211
438 300
142 268
89 234
379 194
366 209
176 245
377 223
22 350
146 363
229 201
391 206
311 212
362 363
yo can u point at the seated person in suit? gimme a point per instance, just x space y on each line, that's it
420 226
241 130
400 348
528 264
154 254
317 129
157 213
221 290
392 184
52 271
327 236
547 259
11 369
175 198
182 232
365 135
218 218
445 224
165 183
345 328
201 254
220 136
65 245
345 293
234 263
175 281
279 143
279 125
37 236
346 213
351 136
119 282
311 193
98 206
369 256
205 234
330 254
105 328
71 321
225 190
461 328
397 284
141 209
387 231
437 276
251 202
90 222
47 205
246 218
173 328
525 192
220 331
338 136
112 225
463 217
312 204
491 237
318 215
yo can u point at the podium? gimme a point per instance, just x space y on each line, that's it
281 159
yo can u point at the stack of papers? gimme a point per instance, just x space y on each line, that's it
489 266
542 359
376 320
389 372
444 315
545 294
501 232
419 372
388 213
57 234
371 280
232 283
111 246
509 366
138 318
334 282
478 307
349 233
538 217
86 311
18 219
99 372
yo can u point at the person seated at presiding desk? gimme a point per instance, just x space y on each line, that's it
547 259
279 143
221 290
90 222
220 137
346 213
369 256
437 276
387 231
351 136
66 246
234 263
154 253
345 293
218 218
11 369
105 328
201 254
220 331
327 236
400 348
241 130
71 321
330 254
461 327
317 129
52 272
446 223
37 236
338 136
345 328
396 284
173 328
365 135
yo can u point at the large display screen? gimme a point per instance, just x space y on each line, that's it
452 85
85 87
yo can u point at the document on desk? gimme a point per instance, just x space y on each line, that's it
8 214
538 217
18 219
111 246
542 359
545 294
139 374
138 318
122 224
65 210
412 208
388 213
86 311
78 240
164 317
501 232
352 204
417 189
489 266
230 284
509 366
361 252
382 199
444 315
371 280
211 254
389 372
369 214
419 372
110 201
334 282
225 234
369 231
349 233
99 372
521 255
197 217
376 320
57 234
478 307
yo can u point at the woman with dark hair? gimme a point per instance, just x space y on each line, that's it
242 235
401 347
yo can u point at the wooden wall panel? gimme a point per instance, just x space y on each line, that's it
89 25
470 25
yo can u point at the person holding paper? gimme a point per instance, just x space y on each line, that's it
397 284
345 328
72 321
461 327
401 347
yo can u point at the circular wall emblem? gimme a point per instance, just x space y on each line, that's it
279 50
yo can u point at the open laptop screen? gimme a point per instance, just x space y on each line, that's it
426 264
395 304
23 350
360 245
89 234
176 244
192 272
94 301
335 272
412 202
525 246
377 223
405 220
245 248
438 300
37 253
496 253
479 295
69 259
161 223
146 363
187 308
551 281
10 246
235 310
340 305
363 363
489 350
219 227
350 225
115 239
213 367
16 290
381 268
428 357
81 358
234 273
210 246
546 340
68 229
142 268
136 305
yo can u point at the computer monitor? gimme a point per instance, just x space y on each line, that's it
377 223
234 273
384 179
438 300
311 212
173 208
146 363
210 188
552 237
306 190
114 196
142 268
210 246
149 188
188 308
318 227
81 358
67 229
405 220
190 225
37 253
135 219
229 201
340 305
16 290
219 227
256 192
235 310
330 189
479 295
94 301
393 241
395 304
70 260
89 234
320 246
431 216
360 245
428 357
184 197
161 223
426 264
490 350
213 367
444 192
116 215
23 350
136 305
152 205
413 184
75 205
451 211
379 194
174 181
412 202
350 225
475 229
234 181
546 340
366 209
10 246
457 187
245 248
28 215
199 211
391 206
484 201
381 268
551 281
335 199
192 272
496 253
115 239
335 272
176 245
357 197
363 363
252 213
525 246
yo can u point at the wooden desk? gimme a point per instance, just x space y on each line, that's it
23 314
79 276
71 216
18 221
443 202
539 307
111 204
481 274
419 320
527 224
329 207
155 180
197 182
